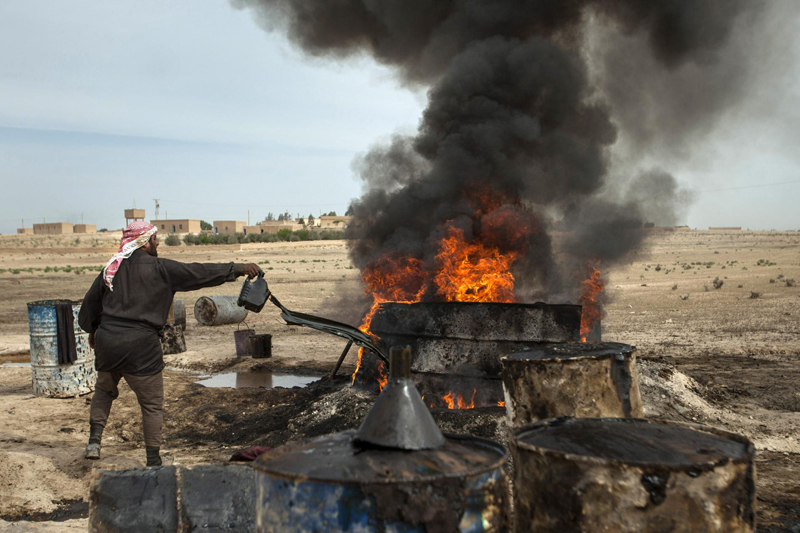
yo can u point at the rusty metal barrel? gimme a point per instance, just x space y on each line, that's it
216 310
631 475
49 377
468 337
581 379
179 313
329 484
172 339
465 339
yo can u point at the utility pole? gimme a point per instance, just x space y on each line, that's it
81 218
157 207
248 217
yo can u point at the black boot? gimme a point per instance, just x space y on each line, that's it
93 448
153 456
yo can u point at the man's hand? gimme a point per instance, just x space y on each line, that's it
251 270
91 341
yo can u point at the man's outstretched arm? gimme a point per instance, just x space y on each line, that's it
193 276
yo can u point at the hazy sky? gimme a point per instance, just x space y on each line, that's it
103 104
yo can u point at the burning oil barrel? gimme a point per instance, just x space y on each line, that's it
467 338
49 377
571 379
463 342
631 475
216 310
397 473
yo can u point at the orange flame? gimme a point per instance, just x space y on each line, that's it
591 290
501 403
450 399
473 272
456 401
464 272
389 279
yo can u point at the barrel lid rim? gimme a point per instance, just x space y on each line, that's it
601 353
500 461
515 441
54 301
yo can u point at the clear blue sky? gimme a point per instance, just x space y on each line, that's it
107 103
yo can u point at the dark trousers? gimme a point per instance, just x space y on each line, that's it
149 391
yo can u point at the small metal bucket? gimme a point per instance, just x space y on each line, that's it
261 346
242 339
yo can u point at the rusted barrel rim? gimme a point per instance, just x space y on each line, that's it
43 303
588 459
418 478
627 350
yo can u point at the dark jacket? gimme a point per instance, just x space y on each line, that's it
127 321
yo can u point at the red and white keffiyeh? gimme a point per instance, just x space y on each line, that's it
134 237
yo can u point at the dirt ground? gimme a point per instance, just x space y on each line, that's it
727 357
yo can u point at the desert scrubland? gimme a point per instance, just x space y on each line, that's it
715 315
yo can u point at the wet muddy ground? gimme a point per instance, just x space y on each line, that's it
718 357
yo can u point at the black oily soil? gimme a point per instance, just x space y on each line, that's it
66 510
635 441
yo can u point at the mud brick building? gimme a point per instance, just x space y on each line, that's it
52 228
229 227
178 225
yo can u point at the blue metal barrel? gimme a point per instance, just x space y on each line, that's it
327 484
50 378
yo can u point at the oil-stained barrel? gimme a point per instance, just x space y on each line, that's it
172 339
179 313
480 321
328 484
581 379
465 339
468 337
216 310
50 378
631 475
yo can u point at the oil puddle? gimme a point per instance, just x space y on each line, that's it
245 380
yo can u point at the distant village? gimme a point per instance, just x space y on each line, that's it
271 224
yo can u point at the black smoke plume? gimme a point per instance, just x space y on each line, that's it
519 124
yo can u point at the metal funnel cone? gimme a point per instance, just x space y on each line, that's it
399 419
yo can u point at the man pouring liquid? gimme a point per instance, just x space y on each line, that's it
124 312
